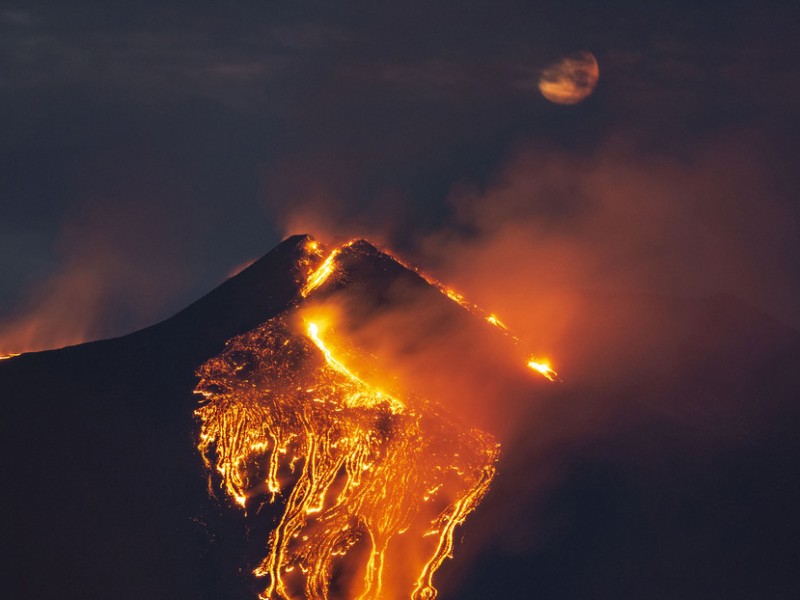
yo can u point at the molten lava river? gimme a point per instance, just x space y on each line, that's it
369 485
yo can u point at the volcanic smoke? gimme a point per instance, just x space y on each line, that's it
371 481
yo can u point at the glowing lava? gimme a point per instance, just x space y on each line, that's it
320 275
354 467
313 333
542 366
367 483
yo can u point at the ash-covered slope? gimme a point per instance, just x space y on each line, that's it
677 478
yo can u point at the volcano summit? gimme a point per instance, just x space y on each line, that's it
357 466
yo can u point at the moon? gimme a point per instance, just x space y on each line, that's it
570 79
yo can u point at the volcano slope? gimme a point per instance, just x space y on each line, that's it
665 465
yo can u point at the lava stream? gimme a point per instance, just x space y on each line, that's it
361 476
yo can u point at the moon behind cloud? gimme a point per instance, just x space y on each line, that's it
570 79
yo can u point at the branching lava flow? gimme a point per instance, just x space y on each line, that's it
368 481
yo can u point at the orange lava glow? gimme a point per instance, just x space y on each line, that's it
542 366
367 480
312 329
494 320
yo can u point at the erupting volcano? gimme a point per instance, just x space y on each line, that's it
350 411
371 480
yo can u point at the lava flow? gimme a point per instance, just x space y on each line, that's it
370 483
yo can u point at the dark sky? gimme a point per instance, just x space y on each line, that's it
149 150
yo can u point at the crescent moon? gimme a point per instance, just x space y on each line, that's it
571 79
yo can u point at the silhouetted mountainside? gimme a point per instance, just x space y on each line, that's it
104 479
665 466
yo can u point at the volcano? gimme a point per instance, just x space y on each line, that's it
673 476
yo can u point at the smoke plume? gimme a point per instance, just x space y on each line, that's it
551 226
113 275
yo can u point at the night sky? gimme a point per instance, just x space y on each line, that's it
150 150
646 240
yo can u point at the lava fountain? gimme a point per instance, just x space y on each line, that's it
370 483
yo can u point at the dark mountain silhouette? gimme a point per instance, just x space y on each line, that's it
665 466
